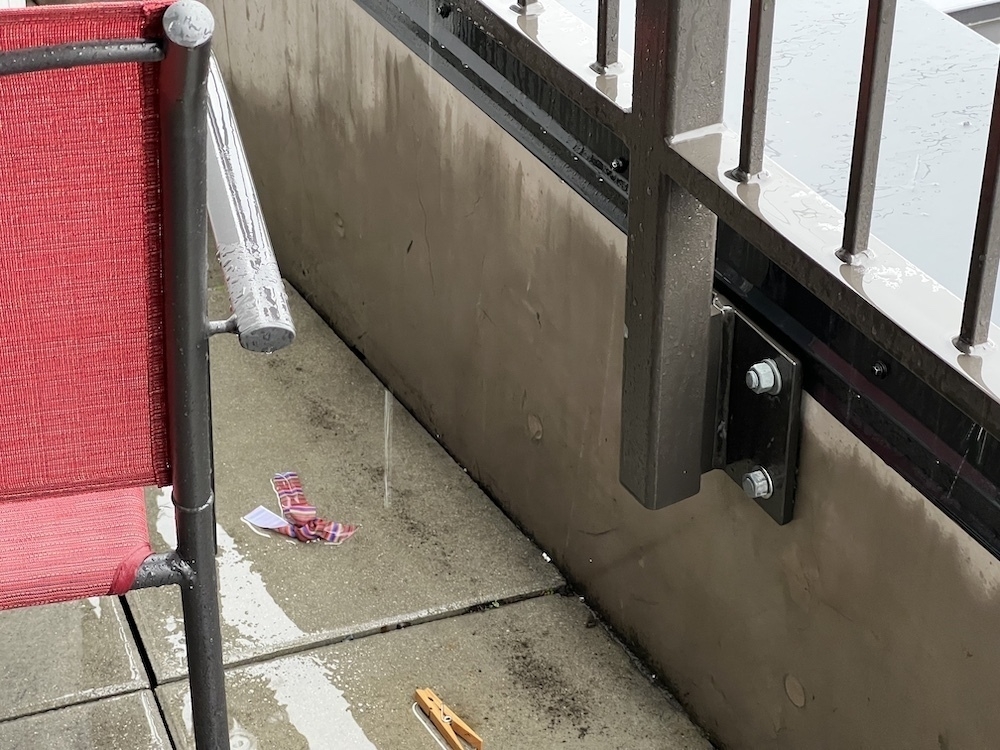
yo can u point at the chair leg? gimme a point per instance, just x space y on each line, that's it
188 27
202 631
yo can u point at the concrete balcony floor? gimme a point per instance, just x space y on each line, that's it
326 645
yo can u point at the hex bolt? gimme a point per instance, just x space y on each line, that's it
764 377
757 484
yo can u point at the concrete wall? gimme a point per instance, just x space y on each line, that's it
489 296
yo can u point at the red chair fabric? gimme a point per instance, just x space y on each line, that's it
82 381
59 549
82 387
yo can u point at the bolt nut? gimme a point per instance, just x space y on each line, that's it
757 484
764 377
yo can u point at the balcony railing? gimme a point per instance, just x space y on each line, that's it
635 91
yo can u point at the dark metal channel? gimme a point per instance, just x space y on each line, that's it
756 86
565 126
37 59
982 284
868 128
951 459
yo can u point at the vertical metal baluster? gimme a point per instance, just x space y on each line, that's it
757 83
608 21
868 128
980 291
527 8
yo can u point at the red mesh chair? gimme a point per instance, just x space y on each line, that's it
104 366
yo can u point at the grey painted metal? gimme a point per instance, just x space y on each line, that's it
696 168
184 123
162 569
981 288
756 86
256 292
977 14
608 25
671 251
757 484
223 326
78 55
868 128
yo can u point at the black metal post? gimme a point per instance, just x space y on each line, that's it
184 123
671 252
608 22
982 286
757 83
868 128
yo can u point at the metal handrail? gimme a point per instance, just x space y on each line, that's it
256 292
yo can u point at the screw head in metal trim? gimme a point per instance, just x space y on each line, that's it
764 377
757 484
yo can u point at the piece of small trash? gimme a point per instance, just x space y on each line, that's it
298 518
263 518
546 557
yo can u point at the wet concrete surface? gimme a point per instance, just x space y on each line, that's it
327 644
62 654
125 722
526 675
430 544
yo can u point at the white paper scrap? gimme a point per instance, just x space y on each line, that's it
264 518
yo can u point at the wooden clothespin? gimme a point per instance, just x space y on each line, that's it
447 723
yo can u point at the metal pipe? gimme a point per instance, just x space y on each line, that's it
756 84
608 23
162 569
256 292
868 128
37 59
982 285
184 123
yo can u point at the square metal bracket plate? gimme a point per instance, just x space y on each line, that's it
753 432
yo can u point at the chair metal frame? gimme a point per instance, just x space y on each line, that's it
261 315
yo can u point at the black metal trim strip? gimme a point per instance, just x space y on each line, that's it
36 59
949 457
571 142
555 75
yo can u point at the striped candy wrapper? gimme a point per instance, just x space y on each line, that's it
298 517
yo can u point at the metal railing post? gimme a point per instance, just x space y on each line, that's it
868 128
671 251
608 23
756 84
982 284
